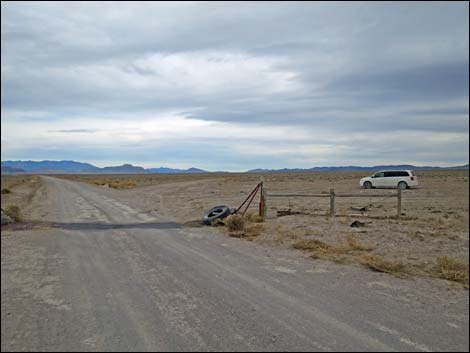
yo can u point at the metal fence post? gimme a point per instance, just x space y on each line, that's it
332 202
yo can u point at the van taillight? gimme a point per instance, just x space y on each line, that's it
412 178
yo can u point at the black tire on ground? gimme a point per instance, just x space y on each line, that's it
402 185
217 212
368 185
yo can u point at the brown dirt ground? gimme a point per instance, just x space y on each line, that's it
23 190
434 224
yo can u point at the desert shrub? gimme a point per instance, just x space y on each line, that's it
452 269
235 223
13 211
5 191
253 230
254 218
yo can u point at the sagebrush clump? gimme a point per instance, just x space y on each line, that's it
13 212
235 223
452 270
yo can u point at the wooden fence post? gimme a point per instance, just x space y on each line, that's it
399 203
332 202
262 200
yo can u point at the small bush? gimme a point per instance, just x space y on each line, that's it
253 230
13 211
452 270
254 218
5 191
235 223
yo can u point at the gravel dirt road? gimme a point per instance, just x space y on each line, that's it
111 278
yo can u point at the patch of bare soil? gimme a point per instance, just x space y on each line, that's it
434 223
21 194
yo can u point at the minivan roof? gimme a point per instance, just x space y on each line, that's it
394 170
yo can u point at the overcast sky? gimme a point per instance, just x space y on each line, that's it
236 86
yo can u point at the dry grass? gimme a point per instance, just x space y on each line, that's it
415 240
321 250
239 227
253 230
13 211
254 218
235 223
217 223
354 244
128 181
115 184
452 270
379 264
317 245
312 244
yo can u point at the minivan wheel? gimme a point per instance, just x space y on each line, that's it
368 185
402 185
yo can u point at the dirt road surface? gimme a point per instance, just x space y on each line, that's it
111 278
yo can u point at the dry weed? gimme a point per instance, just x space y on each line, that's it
254 218
253 230
311 244
452 270
13 211
235 223
379 264
354 244
322 250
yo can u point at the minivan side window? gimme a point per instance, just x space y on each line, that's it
379 175
396 174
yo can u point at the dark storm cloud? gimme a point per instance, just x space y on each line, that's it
326 69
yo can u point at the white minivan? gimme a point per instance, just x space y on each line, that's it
402 179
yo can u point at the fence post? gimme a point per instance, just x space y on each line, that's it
399 203
262 200
332 202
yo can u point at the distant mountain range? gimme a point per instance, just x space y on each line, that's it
355 168
175 171
67 167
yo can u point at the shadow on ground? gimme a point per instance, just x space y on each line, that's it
90 225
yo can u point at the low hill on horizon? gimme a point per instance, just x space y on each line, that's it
67 167
355 168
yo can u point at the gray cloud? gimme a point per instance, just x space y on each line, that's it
329 69
88 131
